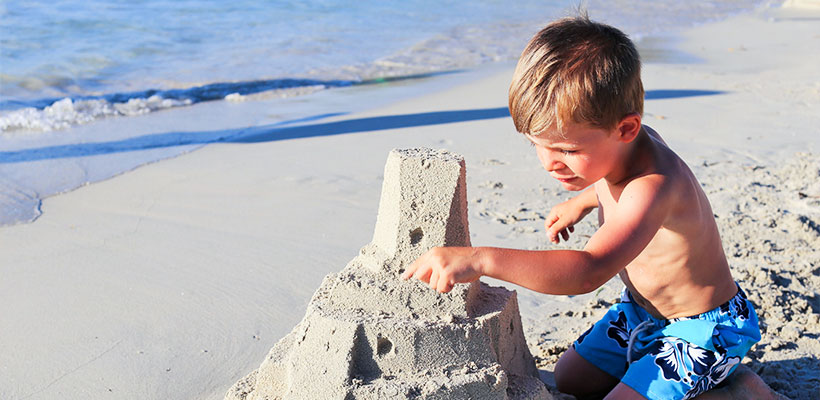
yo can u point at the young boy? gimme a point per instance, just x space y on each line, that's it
683 324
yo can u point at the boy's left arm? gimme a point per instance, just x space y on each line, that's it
629 227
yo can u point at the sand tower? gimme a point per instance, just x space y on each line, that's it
369 335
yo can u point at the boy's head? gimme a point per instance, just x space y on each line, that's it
576 71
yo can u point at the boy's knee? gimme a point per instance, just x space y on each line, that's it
578 377
565 383
562 381
565 373
573 384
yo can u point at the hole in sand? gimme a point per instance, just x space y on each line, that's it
415 236
383 346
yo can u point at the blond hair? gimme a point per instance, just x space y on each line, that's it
576 70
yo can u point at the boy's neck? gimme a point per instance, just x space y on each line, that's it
633 161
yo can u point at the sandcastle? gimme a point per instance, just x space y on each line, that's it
369 335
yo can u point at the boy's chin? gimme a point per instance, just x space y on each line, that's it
574 185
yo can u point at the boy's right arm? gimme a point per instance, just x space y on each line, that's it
633 224
564 216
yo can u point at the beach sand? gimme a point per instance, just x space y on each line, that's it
174 280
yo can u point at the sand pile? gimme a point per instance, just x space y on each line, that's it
369 335
769 216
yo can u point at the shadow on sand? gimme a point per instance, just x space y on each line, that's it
267 133
283 131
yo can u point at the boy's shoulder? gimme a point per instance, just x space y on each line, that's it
662 165
653 134
661 179
652 161
667 184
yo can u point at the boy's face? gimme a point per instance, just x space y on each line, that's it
580 157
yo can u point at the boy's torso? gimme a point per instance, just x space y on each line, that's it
683 270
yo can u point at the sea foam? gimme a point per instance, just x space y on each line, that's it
67 112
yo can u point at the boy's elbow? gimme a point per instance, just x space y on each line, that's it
588 286
579 272
575 288
596 274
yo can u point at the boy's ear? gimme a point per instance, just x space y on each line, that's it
629 127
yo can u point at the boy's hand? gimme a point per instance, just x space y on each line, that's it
443 267
562 219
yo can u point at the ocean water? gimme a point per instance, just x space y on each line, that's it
65 64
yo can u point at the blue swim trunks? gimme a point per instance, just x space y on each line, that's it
676 358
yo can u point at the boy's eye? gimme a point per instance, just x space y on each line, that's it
569 151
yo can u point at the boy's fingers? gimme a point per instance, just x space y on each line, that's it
565 234
420 272
571 228
409 271
556 233
444 286
418 266
433 282
424 276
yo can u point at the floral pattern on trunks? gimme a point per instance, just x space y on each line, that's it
695 366
618 330
737 306
716 375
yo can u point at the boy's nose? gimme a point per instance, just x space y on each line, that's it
549 161
555 165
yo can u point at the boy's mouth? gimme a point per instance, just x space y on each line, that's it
565 180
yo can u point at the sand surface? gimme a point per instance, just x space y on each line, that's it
174 280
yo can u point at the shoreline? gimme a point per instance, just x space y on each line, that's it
174 280
87 154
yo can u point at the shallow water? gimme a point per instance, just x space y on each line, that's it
115 58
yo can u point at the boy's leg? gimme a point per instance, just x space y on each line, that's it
623 392
595 363
576 376
742 384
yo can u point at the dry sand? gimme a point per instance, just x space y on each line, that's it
174 280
